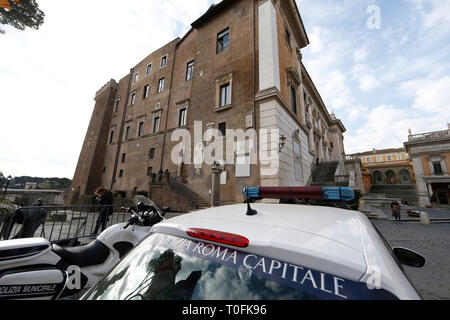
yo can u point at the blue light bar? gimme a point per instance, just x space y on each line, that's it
251 192
338 194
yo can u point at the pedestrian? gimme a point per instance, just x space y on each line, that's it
105 199
396 211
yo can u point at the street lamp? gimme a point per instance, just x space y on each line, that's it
282 143
6 187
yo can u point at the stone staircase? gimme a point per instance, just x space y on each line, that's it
197 202
406 192
323 175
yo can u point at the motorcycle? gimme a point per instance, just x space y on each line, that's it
34 269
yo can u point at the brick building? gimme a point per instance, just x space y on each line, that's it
239 67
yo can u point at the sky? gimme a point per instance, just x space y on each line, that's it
381 77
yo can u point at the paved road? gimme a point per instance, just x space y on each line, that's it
433 213
433 280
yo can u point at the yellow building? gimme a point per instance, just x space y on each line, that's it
388 166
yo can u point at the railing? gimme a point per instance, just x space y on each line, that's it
429 136
58 224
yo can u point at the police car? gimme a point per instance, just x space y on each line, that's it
262 251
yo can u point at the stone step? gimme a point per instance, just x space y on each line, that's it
379 187
190 195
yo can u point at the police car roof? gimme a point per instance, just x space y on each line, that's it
323 238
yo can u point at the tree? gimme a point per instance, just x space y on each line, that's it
23 13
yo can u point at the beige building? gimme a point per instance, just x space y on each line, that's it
239 67
430 154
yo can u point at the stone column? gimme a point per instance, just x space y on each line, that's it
215 193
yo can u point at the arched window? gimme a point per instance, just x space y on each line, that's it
390 177
377 177
405 177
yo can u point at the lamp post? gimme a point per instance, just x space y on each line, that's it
6 187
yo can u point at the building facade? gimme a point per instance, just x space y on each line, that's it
430 154
238 68
388 166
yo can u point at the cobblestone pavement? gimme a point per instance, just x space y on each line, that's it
433 242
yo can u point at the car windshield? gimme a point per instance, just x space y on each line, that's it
158 270
165 267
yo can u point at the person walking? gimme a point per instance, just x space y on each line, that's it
105 199
396 210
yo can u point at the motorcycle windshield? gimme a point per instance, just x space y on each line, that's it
146 201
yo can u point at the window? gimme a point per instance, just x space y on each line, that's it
136 77
294 100
151 153
127 133
156 125
149 171
437 168
124 157
224 92
225 97
368 160
223 129
111 137
146 91
120 173
149 69
389 158
141 129
190 71
163 61
223 40
116 105
133 98
288 38
161 85
182 119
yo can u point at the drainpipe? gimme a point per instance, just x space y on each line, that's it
168 108
254 87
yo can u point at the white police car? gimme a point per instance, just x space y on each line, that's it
263 252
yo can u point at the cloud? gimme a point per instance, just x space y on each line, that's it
358 113
384 82
48 77
431 96
360 54
366 77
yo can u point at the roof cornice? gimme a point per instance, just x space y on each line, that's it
292 14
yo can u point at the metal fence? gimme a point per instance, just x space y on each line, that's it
59 224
